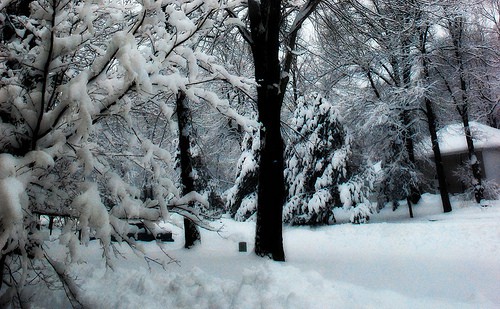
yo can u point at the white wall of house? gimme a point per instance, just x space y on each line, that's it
491 160
454 151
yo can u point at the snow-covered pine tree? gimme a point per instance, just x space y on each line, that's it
317 164
241 198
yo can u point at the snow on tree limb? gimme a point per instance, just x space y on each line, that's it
221 105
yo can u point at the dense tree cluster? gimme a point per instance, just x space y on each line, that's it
120 112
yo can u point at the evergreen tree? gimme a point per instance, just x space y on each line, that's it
241 199
317 162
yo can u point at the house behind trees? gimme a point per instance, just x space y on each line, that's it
455 155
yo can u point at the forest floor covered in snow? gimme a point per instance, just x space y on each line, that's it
434 260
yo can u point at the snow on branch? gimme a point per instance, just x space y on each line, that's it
14 202
93 215
219 71
305 11
221 105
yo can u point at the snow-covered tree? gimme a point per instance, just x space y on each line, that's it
468 68
317 165
84 92
375 63
267 20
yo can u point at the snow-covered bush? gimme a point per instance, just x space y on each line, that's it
317 165
248 208
489 188
241 198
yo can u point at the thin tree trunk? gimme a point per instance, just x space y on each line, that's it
456 30
191 233
2 267
474 161
295 82
414 195
51 224
431 122
410 207
438 161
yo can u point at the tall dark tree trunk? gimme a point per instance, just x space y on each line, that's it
191 233
438 161
271 191
456 30
431 122
265 19
264 39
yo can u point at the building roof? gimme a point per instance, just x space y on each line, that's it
452 138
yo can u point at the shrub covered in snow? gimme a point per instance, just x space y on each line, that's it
488 188
241 198
317 165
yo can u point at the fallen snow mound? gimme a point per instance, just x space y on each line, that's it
432 261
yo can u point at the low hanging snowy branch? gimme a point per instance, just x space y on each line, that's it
80 82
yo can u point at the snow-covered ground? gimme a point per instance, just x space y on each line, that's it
432 261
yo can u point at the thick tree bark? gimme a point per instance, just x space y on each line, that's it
264 25
265 18
191 233
271 192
